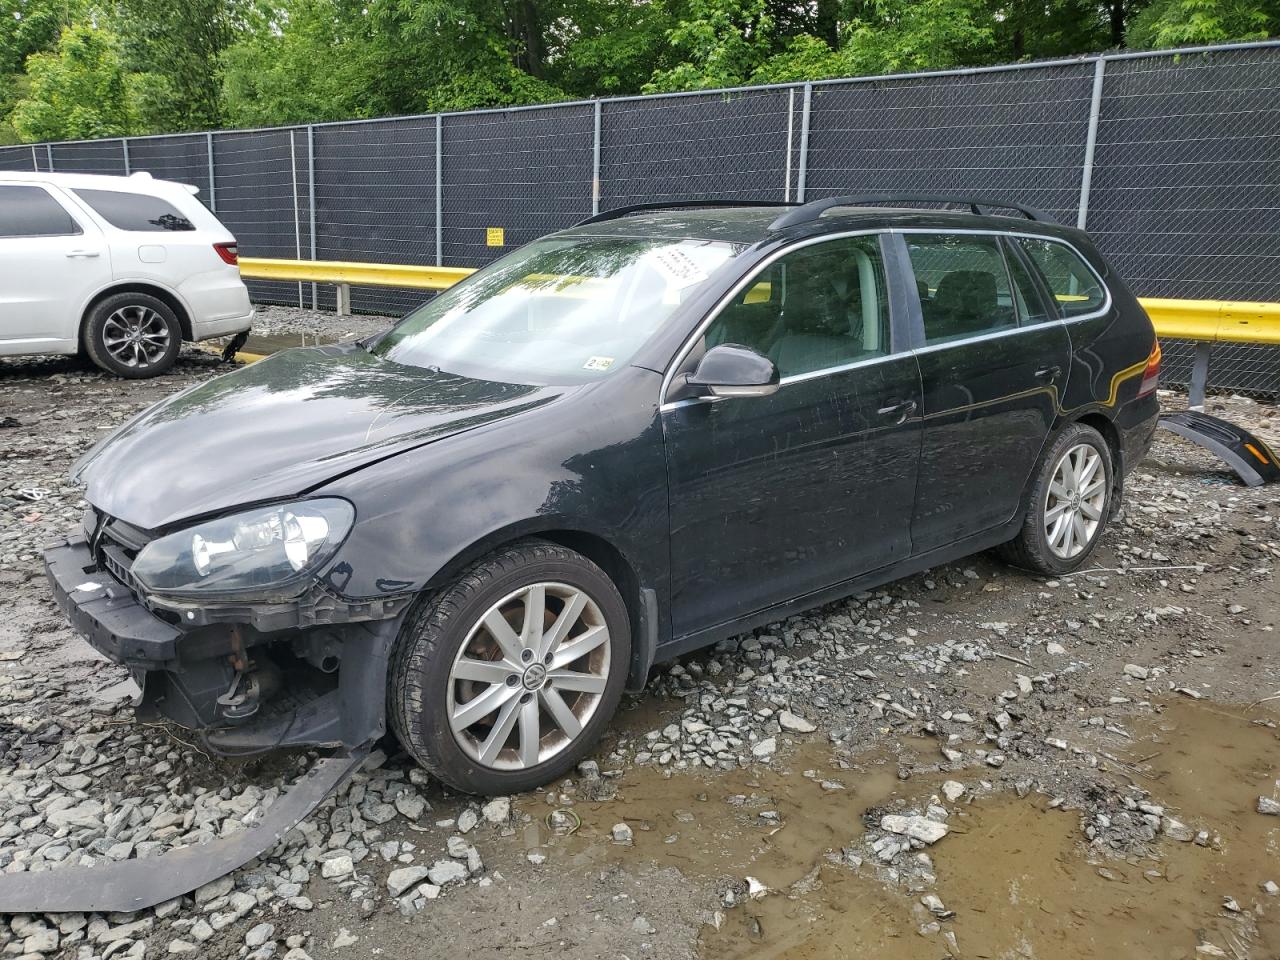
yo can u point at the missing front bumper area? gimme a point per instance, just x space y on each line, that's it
242 688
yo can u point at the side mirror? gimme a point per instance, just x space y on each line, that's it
732 370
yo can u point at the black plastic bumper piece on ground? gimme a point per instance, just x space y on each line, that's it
104 610
1249 456
129 885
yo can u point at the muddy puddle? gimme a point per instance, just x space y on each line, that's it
263 345
1015 871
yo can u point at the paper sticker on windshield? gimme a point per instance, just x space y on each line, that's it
598 363
680 269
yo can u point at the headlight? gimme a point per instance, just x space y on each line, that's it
253 552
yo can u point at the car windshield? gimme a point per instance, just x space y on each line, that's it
561 310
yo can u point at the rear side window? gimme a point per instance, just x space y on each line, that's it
1074 286
30 212
963 285
820 307
135 211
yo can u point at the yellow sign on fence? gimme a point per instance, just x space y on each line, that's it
494 236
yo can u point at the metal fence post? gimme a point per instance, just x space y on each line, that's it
311 200
124 152
213 190
35 160
48 149
439 196
297 218
595 164
791 123
803 175
1091 141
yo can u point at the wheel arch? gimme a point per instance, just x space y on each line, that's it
164 295
1099 421
639 598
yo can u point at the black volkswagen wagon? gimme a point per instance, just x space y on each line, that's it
619 443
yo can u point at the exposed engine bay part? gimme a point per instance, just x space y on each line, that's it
128 885
1249 456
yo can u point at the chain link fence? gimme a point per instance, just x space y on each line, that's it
1170 159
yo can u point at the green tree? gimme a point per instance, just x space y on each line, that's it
80 90
1179 23
721 43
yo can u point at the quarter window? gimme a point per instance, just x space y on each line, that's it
135 211
1075 287
1031 309
27 211
963 285
822 306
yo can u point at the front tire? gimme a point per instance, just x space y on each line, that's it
504 680
1069 504
132 335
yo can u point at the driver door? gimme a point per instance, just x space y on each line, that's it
773 498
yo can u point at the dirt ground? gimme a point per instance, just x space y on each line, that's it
972 762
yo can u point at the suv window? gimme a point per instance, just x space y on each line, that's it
963 285
30 212
1075 287
822 306
1031 308
134 211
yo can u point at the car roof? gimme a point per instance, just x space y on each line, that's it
752 224
140 182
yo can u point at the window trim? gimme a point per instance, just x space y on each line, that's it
895 349
57 202
1103 310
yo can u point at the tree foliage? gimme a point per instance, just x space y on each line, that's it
81 68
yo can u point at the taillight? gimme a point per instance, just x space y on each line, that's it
228 252
1151 375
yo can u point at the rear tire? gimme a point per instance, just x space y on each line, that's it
1069 504
133 335
550 681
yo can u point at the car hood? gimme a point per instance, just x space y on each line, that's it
280 427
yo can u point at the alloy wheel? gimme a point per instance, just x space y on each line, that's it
529 676
136 336
1074 501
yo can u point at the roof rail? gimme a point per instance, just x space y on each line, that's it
980 205
618 212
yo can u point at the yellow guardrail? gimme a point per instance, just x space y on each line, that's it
1205 320
1226 321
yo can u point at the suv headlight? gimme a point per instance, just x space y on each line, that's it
258 551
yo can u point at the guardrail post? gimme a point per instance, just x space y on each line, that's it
1199 375
1091 141
343 302
803 175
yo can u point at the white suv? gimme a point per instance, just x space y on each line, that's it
121 268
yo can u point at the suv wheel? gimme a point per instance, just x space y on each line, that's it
504 680
132 335
1070 503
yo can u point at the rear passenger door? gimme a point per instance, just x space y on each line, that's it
775 497
993 362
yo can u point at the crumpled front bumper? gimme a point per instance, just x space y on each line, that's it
105 611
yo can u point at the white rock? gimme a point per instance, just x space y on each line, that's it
497 811
401 880
444 872
259 935
344 938
467 820
1135 671
953 790
915 827
1054 648
795 724
181 946
337 866
1270 887
755 889
1269 806
765 748
1175 829
622 833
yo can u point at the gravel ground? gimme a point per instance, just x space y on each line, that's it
971 677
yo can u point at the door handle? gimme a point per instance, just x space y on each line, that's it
899 411
1048 374
82 254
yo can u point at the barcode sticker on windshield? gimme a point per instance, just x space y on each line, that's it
598 363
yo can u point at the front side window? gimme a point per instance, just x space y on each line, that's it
27 211
1075 287
561 310
822 306
963 285
139 212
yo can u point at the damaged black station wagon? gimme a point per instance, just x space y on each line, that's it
619 443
